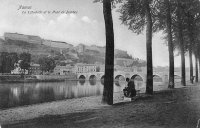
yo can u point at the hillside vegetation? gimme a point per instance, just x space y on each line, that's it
91 54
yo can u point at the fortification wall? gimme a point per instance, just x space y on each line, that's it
22 37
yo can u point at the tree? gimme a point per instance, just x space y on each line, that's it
14 59
181 35
25 61
136 14
7 61
163 21
170 45
181 44
149 87
198 54
191 44
190 9
47 64
109 60
196 67
187 19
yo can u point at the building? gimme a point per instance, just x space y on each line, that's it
22 37
85 68
35 69
101 68
63 70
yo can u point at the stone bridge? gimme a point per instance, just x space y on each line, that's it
160 79
118 75
141 76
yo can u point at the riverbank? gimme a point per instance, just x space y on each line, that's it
165 108
35 78
50 108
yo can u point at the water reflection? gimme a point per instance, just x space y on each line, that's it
92 82
102 81
82 82
19 94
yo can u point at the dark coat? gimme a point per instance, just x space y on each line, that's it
131 85
130 90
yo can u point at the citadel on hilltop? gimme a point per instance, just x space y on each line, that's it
35 40
22 37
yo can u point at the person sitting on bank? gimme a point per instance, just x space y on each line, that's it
129 91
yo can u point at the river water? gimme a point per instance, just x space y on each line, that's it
20 94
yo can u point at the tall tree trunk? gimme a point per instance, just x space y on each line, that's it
196 67
149 86
170 46
191 37
109 59
199 61
181 43
191 65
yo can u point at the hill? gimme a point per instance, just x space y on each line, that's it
62 52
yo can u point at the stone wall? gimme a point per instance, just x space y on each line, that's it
55 77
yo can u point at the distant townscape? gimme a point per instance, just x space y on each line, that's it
29 54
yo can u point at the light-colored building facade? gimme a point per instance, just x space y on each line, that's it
101 68
63 70
35 69
85 68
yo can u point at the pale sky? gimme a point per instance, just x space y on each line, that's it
86 26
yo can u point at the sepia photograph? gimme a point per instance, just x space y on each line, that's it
99 64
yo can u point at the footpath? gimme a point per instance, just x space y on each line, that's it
172 108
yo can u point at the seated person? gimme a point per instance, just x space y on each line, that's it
129 91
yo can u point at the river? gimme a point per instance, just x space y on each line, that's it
20 94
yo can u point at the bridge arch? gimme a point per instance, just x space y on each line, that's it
82 77
92 77
120 77
138 80
157 78
177 78
102 79
137 77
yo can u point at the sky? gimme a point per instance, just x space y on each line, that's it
75 22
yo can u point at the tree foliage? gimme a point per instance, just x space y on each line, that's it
25 60
7 61
138 14
47 64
